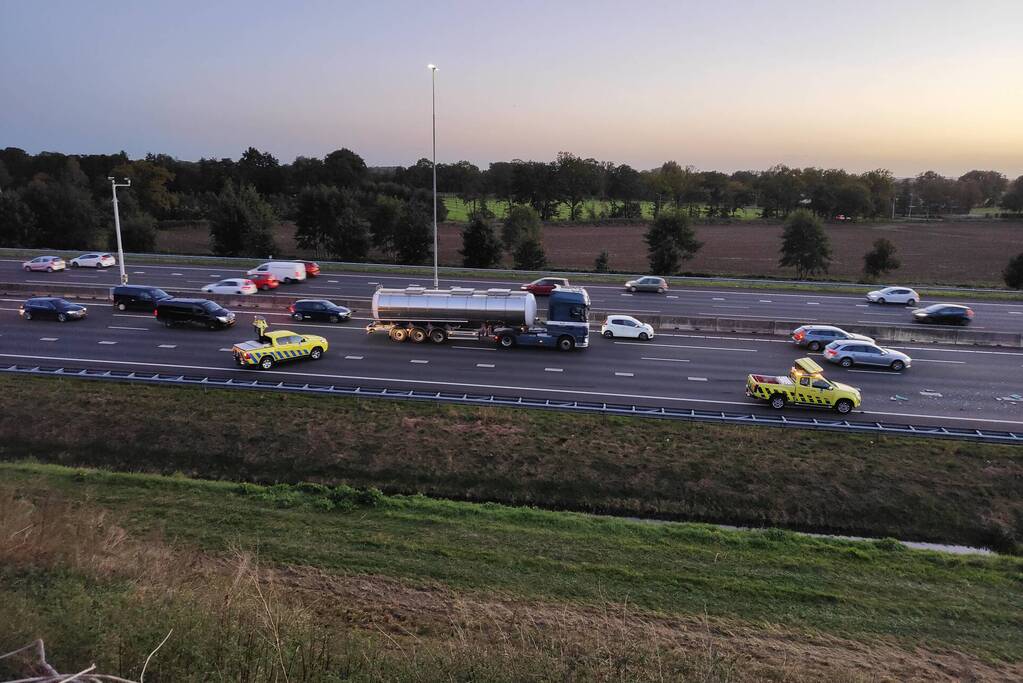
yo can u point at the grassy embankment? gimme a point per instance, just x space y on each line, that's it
914 489
339 584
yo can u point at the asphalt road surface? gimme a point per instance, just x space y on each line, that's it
835 309
952 386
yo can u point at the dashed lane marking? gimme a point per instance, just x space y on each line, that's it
672 296
625 294
766 301
667 360
872 372
681 346
484 365
228 350
353 357
117 327
48 339
473 348
697 379
624 374
813 303
108 343
167 346
181 274
717 298
862 305
419 361
138 272
553 369
931 360
332 282
1015 312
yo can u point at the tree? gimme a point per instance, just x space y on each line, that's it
624 189
262 171
241 223
535 183
328 218
670 242
603 262
577 180
149 184
520 222
1012 200
17 222
990 184
138 233
881 259
480 246
348 237
384 218
529 254
413 241
344 168
66 216
805 245
1013 273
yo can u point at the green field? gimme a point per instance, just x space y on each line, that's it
909 488
458 212
133 556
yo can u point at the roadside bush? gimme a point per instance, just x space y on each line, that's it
1013 273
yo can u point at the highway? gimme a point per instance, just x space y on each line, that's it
952 386
838 309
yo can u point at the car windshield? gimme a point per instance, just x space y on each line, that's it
159 294
211 307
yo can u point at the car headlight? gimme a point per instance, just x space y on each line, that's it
223 318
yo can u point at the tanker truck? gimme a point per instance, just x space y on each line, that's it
504 316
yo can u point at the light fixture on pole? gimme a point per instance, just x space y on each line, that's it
117 225
433 102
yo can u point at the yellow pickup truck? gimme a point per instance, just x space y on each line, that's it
805 385
271 348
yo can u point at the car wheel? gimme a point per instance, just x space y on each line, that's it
238 292
265 287
643 336
168 324
49 269
506 341
777 401
814 346
881 300
898 366
266 362
297 316
438 336
288 281
911 302
316 353
28 315
632 289
121 307
844 406
566 344
398 334
74 264
334 319
61 317
660 290
212 325
846 362
28 269
608 334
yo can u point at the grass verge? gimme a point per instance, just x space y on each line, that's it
915 489
103 564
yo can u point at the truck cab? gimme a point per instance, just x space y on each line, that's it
567 326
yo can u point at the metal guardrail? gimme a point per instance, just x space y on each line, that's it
591 407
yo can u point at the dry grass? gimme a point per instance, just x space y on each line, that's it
235 618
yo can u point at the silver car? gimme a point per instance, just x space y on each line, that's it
816 337
650 283
849 353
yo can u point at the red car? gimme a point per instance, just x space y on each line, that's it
312 268
265 281
545 285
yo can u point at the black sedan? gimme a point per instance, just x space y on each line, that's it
944 314
51 308
319 309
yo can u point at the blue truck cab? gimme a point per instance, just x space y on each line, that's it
567 326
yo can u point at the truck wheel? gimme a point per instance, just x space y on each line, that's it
266 362
566 343
777 401
608 334
846 362
814 346
506 341
398 334
844 406
417 335
438 336
898 365
316 353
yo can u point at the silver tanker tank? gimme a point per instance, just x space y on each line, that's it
456 305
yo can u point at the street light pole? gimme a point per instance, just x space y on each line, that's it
433 106
117 226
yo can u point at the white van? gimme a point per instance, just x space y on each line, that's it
286 271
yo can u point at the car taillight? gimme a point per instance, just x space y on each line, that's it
155 312
829 352
798 336
291 308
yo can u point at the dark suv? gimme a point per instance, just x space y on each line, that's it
137 297
319 309
200 312
944 314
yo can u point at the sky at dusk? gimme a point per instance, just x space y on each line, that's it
724 85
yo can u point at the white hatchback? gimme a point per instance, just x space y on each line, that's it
235 286
894 295
626 326
95 260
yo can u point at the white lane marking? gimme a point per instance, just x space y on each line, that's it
353 357
473 348
931 360
368 283
624 374
930 394
484 365
116 327
401 380
760 317
671 296
939 327
333 282
766 301
667 360
697 379
108 342
418 360
813 303
990 353
182 274
138 272
48 339
624 294
872 372
681 346
717 298
553 369
862 305
167 346
729 306
228 350
879 313
1015 312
